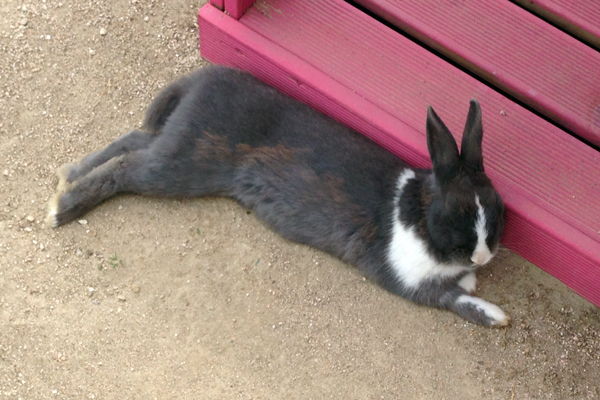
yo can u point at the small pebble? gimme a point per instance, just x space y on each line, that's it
23 22
79 252
502 113
135 288
82 222
92 52
5 172
146 19
30 218
121 297
103 32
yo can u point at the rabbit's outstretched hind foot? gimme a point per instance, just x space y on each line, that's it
93 175
73 199
63 187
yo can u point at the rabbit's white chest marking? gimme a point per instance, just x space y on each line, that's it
468 282
482 254
407 253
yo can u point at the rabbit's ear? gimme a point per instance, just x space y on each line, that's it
470 149
443 150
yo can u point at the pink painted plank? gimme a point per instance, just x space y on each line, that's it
579 17
220 4
545 68
380 83
237 8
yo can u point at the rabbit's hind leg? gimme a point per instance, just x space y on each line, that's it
147 172
74 199
132 141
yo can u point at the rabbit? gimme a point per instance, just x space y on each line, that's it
419 233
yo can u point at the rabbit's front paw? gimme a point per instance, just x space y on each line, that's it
480 311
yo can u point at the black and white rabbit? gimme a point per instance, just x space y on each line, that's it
220 132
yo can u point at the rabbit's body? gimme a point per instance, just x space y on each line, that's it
220 132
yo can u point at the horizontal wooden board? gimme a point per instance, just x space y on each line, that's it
581 18
512 49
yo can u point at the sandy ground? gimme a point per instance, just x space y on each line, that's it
163 299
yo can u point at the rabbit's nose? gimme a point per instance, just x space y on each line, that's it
482 257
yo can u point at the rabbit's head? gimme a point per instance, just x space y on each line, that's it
464 219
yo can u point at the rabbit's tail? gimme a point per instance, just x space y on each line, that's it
164 104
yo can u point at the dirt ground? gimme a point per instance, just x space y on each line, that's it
163 299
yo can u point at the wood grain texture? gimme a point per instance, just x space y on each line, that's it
512 49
